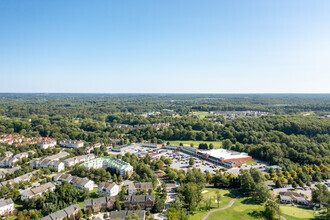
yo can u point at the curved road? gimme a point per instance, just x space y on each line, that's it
215 210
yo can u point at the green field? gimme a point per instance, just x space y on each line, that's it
251 162
201 114
294 213
243 208
216 144
227 196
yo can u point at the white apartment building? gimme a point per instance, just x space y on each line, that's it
6 206
46 163
71 143
111 189
39 190
46 143
78 159
78 182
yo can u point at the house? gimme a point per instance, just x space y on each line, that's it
134 187
88 149
78 159
103 203
7 161
58 156
3 172
78 182
66 213
145 201
9 153
71 143
46 163
25 177
6 206
39 190
46 143
121 215
111 189
293 197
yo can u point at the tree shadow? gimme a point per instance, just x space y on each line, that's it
257 214
250 201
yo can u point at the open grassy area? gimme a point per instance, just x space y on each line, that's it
251 162
243 208
201 114
227 196
216 144
295 213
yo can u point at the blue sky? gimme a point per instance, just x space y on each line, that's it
178 46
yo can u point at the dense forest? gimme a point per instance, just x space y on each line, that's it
286 136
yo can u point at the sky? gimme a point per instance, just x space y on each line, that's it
172 46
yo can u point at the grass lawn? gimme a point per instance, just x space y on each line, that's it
251 162
216 144
295 213
243 208
201 114
227 196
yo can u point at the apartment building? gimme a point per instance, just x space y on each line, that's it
135 187
78 159
76 181
122 215
39 190
6 206
66 213
71 143
122 168
145 201
111 189
46 143
47 163
103 203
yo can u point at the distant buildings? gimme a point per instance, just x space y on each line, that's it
6 206
39 190
66 213
78 159
46 143
80 183
156 125
47 163
122 168
121 215
145 201
111 189
10 160
152 145
88 149
71 143
58 156
11 138
123 147
103 203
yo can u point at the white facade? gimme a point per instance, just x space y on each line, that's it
46 144
72 143
111 189
6 206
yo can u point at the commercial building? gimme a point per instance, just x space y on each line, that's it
66 213
152 145
122 168
102 203
123 147
6 206
71 143
78 159
76 181
293 197
145 201
39 190
121 215
111 189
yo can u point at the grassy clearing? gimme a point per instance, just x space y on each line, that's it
201 114
227 196
251 162
295 213
243 208
216 144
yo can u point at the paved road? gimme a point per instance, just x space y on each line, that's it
215 210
